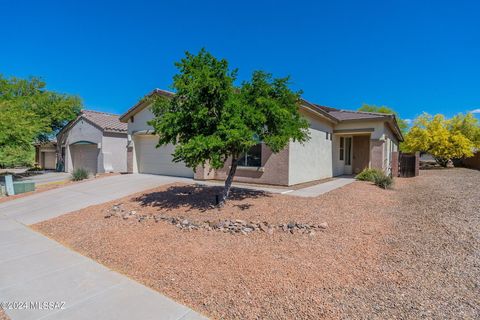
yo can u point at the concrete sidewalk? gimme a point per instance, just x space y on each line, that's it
319 189
34 268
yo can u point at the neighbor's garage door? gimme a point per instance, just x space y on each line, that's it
158 160
85 156
49 160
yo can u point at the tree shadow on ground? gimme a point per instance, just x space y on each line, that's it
199 197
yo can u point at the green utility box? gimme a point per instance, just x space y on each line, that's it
23 186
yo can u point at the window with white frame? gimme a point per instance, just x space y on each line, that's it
251 158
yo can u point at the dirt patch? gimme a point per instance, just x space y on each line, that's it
410 252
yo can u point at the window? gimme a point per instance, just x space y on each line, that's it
342 148
326 137
132 119
348 151
252 158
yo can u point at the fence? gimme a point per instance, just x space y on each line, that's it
473 162
405 164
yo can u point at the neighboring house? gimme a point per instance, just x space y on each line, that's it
342 142
46 155
95 141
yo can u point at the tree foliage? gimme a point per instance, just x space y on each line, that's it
441 138
468 126
402 124
30 113
210 120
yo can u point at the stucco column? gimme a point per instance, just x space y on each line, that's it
376 154
204 173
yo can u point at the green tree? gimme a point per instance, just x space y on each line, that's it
402 124
30 113
468 126
209 120
434 135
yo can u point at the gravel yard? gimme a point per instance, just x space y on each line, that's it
410 252
3 316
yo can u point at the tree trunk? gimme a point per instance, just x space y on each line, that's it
228 182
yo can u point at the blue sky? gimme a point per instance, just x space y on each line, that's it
413 56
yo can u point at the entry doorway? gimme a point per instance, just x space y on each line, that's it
345 158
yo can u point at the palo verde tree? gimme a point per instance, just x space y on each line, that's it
434 135
30 113
210 121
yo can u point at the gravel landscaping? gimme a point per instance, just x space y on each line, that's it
3 316
409 252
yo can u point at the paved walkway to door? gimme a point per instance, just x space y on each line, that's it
35 269
321 188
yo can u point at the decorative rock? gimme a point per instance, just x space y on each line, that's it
323 225
231 226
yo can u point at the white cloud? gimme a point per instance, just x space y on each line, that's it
408 121
475 111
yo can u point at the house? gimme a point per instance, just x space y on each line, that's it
46 154
342 142
95 141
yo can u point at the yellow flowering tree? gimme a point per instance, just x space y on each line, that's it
436 136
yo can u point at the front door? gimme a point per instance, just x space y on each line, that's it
348 155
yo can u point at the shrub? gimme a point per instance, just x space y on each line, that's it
79 174
383 181
369 175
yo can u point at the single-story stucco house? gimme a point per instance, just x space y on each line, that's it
95 141
342 142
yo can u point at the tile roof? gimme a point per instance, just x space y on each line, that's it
106 121
345 115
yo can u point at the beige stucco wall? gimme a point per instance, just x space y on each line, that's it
139 123
82 131
114 152
140 120
112 156
274 169
390 145
313 159
378 126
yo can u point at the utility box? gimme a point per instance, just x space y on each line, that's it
23 186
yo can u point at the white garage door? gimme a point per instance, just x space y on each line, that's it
85 156
158 160
49 160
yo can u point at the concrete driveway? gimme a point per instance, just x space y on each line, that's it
46 205
41 279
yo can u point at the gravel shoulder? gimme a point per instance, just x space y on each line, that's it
410 252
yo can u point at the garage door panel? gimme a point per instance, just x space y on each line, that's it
85 156
49 160
158 160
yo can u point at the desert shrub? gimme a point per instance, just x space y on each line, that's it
79 174
383 181
369 174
